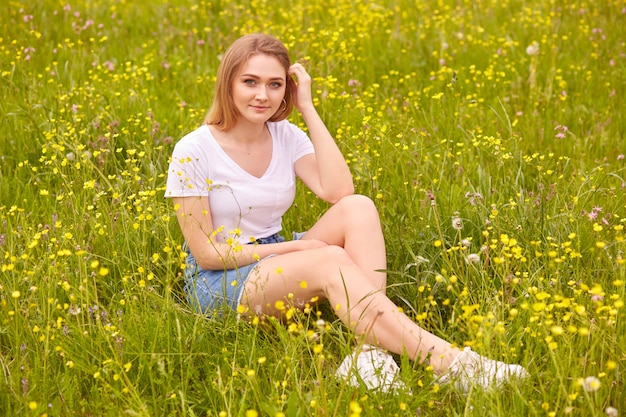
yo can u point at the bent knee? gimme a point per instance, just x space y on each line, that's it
357 202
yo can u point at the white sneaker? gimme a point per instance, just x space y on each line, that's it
373 366
471 369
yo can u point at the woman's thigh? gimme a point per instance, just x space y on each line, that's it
298 277
331 226
353 223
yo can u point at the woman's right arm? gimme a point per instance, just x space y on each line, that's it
194 218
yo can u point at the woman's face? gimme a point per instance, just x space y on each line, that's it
259 88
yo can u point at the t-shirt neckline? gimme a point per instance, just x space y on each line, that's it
235 164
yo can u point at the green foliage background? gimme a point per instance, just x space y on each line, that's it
507 115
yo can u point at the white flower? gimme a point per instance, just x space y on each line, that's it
457 222
611 412
473 258
591 383
321 325
74 310
532 49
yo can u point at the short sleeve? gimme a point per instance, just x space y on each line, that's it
293 137
188 171
303 145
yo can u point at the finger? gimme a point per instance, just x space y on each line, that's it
297 70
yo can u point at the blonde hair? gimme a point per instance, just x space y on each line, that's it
223 113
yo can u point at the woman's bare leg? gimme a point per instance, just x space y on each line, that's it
353 224
331 273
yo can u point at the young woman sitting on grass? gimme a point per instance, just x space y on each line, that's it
232 179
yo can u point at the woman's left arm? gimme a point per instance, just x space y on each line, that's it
326 172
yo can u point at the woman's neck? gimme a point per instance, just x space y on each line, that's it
247 133
241 138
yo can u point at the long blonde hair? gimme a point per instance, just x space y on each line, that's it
223 113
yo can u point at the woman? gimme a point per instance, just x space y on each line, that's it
232 179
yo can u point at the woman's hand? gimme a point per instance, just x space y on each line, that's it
300 87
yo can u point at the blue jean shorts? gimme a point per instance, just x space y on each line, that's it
208 290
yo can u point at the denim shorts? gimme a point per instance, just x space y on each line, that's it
208 290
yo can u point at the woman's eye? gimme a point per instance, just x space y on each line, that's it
249 82
276 85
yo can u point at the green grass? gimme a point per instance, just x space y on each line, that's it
440 110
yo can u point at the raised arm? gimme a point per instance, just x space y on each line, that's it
194 218
326 172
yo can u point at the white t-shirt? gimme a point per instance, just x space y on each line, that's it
243 207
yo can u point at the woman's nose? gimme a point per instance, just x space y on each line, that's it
261 94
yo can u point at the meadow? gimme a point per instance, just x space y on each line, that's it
489 133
